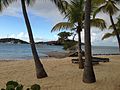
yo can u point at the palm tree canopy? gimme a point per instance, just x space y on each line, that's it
98 2
108 7
75 14
100 23
5 3
75 11
62 25
107 35
61 4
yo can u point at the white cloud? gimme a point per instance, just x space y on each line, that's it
44 9
24 36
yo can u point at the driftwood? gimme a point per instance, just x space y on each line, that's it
95 60
98 59
75 61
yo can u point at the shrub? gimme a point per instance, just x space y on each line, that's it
13 85
68 44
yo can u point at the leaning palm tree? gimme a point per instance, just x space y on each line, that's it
88 75
40 72
110 8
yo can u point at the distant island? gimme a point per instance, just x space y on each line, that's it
18 41
49 43
12 41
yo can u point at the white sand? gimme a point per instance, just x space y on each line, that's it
63 75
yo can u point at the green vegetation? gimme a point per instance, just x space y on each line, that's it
63 36
74 12
63 40
13 41
109 7
13 85
107 35
68 44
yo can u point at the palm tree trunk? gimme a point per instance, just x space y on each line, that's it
81 64
116 32
40 72
88 75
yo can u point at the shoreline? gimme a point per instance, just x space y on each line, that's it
54 55
62 74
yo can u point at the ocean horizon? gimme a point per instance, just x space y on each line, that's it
23 51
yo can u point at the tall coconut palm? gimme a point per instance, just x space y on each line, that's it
40 72
88 75
110 8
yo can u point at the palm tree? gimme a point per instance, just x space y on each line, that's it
75 15
110 8
117 25
88 75
40 72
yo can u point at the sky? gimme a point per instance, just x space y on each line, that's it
43 16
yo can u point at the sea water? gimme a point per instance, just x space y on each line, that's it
23 51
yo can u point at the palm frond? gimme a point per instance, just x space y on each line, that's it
0 5
62 26
75 11
73 29
98 10
111 27
107 35
118 31
5 3
109 7
98 2
61 4
100 23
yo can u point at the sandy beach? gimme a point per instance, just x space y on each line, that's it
62 74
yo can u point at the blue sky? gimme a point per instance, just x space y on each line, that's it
15 25
43 16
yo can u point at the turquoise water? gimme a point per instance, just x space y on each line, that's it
23 51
